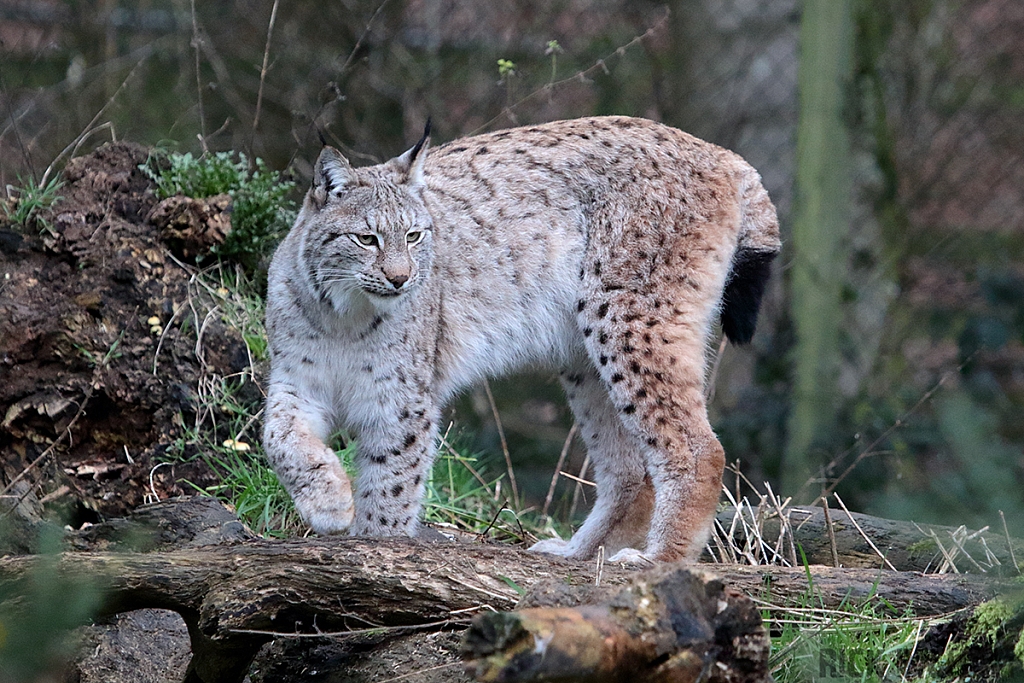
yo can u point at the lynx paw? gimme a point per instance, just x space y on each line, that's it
552 546
631 556
327 505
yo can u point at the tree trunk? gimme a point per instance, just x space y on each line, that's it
820 219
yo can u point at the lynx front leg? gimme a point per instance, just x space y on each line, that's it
394 458
294 435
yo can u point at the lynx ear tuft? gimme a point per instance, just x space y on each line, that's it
410 165
331 173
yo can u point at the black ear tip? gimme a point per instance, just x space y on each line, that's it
423 141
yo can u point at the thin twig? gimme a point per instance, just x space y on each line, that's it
1009 542
709 387
579 489
263 75
578 480
338 96
558 468
152 483
85 135
579 76
864 535
462 461
89 130
948 559
353 632
362 37
14 126
831 531
163 334
483 534
199 81
913 650
785 526
736 471
959 536
870 449
504 445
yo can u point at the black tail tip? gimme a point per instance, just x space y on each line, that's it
743 293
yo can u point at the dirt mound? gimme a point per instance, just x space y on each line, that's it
93 374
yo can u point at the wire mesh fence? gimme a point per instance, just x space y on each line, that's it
932 280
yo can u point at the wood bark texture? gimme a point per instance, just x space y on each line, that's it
667 625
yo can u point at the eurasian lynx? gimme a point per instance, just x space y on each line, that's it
600 247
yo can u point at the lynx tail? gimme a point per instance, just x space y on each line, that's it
751 265
742 299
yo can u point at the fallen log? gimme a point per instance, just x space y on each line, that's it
236 597
236 592
668 625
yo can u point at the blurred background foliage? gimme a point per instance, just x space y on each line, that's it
920 383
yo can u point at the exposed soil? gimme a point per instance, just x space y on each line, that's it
87 375
419 658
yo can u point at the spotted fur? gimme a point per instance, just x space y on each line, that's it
601 248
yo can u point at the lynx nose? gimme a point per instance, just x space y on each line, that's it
398 279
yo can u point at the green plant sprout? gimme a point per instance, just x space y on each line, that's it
29 200
506 69
554 49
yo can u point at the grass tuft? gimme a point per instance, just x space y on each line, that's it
857 641
28 201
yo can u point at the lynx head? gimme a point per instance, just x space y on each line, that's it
367 230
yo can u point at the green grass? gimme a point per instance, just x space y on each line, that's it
462 495
861 641
458 496
262 210
28 201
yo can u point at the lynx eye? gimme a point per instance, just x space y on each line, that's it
367 240
413 237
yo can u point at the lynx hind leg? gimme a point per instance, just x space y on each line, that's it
618 471
294 441
657 388
650 349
